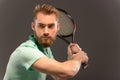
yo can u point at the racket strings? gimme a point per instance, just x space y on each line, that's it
66 25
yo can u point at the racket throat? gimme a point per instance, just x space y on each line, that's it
63 39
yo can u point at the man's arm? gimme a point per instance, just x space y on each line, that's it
65 69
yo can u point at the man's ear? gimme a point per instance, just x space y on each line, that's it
58 26
33 26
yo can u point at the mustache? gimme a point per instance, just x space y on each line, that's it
45 36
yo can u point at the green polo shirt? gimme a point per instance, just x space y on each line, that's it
19 65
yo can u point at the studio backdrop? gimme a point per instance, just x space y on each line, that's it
97 33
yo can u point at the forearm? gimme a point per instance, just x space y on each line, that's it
72 66
58 78
68 69
60 69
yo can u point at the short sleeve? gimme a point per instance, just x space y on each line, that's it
27 56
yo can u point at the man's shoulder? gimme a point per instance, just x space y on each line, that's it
28 43
26 46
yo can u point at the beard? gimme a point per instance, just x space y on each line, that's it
45 41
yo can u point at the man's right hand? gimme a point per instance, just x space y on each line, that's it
76 53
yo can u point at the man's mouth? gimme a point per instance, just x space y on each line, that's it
46 37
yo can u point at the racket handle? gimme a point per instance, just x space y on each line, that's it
84 65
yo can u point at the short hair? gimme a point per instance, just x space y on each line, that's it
45 9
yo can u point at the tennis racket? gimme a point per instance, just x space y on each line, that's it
67 29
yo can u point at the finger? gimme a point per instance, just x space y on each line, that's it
69 50
75 49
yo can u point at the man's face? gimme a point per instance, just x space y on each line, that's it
45 29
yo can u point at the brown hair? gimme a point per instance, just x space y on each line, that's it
45 9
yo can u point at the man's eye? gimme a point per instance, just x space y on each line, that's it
51 25
41 25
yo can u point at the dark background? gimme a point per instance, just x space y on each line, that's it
98 33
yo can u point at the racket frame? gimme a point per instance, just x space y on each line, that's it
74 28
84 65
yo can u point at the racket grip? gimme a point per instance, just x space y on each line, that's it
84 65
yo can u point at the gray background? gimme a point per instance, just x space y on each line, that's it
98 25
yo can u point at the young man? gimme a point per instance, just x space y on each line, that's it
33 59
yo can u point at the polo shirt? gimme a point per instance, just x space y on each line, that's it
19 65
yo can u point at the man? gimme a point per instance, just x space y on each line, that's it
33 59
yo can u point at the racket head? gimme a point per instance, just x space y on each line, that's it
67 24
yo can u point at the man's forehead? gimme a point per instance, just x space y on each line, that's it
42 15
39 22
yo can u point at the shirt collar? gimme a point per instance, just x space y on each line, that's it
31 37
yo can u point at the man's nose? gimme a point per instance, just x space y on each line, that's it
46 31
